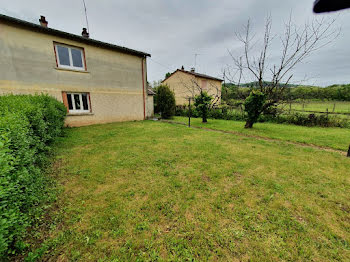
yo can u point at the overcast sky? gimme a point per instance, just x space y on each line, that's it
173 31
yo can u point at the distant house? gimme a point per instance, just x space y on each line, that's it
188 84
98 82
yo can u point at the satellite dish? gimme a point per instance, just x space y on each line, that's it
322 6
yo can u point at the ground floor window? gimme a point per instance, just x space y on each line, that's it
77 102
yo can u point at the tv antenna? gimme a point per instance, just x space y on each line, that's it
86 17
195 59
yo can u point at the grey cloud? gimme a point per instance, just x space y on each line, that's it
174 30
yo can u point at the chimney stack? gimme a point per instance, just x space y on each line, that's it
43 21
193 70
85 33
182 68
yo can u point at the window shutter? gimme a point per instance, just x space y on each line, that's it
65 100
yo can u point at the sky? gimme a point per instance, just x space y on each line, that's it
173 31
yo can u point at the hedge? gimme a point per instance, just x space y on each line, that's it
28 126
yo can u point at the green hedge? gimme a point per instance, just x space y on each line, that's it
28 126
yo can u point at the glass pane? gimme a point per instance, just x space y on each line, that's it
77 102
85 101
77 57
70 103
63 55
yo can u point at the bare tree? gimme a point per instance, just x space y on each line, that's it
272 78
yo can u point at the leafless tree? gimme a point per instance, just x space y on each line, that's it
297 43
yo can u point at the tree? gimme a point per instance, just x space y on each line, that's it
167 75
202 103
164 102
253 105
272 77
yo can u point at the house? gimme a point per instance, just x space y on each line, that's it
97 81
188 84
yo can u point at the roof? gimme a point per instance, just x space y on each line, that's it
321 6
194 74
150 92
50 31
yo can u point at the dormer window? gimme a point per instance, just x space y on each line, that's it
70 57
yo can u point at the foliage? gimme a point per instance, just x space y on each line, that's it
232 92
28 126
164 102
202 103
254 106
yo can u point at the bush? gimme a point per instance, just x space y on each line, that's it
253 105
28 126
164 102
202 103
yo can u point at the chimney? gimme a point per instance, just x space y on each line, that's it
85 33
193 70
182 68
43 21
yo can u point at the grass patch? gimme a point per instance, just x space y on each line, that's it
336 138
152 191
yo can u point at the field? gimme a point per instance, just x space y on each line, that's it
155 191
314 106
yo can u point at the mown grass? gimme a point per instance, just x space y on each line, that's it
336 138
152 191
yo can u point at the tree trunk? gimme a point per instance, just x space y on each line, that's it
249 124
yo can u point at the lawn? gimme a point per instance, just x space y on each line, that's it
336 138
153 191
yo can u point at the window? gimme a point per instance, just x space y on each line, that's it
70 57
78 102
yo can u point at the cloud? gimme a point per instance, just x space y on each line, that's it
174 30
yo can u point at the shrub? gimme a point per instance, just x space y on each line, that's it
202 103
164 102
253 105
28 126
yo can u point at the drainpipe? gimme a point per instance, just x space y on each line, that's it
143 89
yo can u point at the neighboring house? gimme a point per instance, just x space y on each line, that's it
98 82
188 84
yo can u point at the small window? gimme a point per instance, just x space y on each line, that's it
78 102
70 57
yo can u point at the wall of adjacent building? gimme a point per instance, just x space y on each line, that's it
113 79
184 85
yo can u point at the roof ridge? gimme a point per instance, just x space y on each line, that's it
71 36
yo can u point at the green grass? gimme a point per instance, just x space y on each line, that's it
336 138
153 191
340 106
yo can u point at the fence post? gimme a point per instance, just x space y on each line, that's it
334 108
349 152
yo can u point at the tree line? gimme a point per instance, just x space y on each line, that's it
291 93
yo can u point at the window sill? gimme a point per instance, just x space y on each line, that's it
72 70
80 114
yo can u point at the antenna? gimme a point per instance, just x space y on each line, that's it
86 17
195 59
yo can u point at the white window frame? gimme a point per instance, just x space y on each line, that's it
83 68
81 110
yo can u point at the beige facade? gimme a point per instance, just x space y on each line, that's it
187 84
115 80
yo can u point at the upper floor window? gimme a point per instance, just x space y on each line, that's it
70 57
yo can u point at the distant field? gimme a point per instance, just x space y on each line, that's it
338 106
